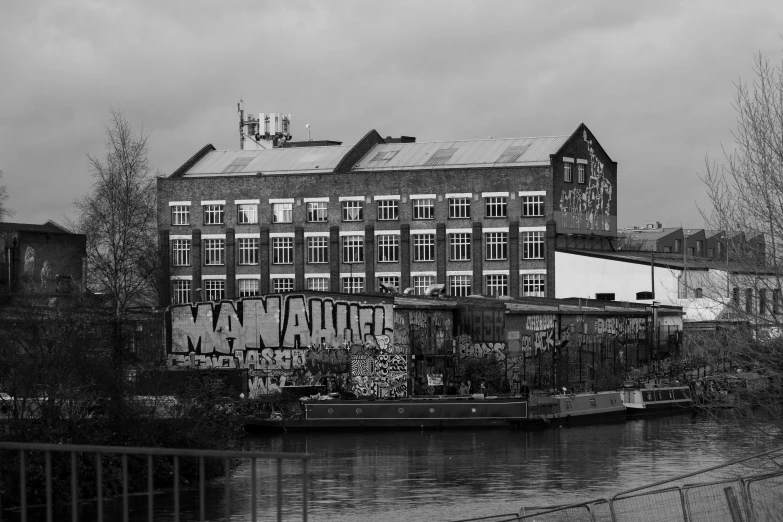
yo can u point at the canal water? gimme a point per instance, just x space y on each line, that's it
451 475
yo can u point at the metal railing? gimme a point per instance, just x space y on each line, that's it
744 490
102 469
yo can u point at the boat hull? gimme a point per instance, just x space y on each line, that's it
401 414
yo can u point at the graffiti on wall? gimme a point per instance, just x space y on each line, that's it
588 208
292 340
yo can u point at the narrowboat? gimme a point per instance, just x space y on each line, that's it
579 408
425 413
656 399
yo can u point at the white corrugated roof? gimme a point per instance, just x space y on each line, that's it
534 151
270 161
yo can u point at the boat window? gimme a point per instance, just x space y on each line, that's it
612 400
671 396
648 396
592 403
568 405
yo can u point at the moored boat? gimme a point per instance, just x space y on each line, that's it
436 412
579 408
650 398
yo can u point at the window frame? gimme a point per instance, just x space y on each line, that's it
388 209
178 290
317 211
423 209
248 292
533 242
568 174
531 204
214 289
459 207
180 256
466 284
350 207
533 285
464 246
214 251
214 214
421 283
495 246
281 211
387 247
495 207
496 281
277 283
247 216
247 250
423 244
580 173
352 285
353 244
283 250
317 250
310 283
179 217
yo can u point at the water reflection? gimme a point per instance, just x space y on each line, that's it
431 475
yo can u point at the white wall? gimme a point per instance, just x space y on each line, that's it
584 276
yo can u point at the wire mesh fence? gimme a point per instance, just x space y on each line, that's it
744 490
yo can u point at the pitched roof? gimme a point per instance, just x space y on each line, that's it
458 154
269 161
49 227
383 156
647 234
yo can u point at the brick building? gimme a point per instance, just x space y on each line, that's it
478 216
40 259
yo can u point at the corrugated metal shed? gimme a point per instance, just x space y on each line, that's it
271 161
525 152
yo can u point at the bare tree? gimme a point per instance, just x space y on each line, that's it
119 218
746 194
5 212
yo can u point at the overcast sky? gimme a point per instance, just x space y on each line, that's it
653 80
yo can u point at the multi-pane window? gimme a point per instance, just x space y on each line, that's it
496 245
180 215
459 208
424 247
496 285
318 249
282 250
282 284
389 280
459 246
424 209
532 245
248 250
580 173
567 175
532 206
459 285
533 285
213 251
421 283
352 210
388 248
213 214
353 249
388 210
316 211
353 285
214 289
248 287
495 206
180 250
247 214
282 212
181 293
318 284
